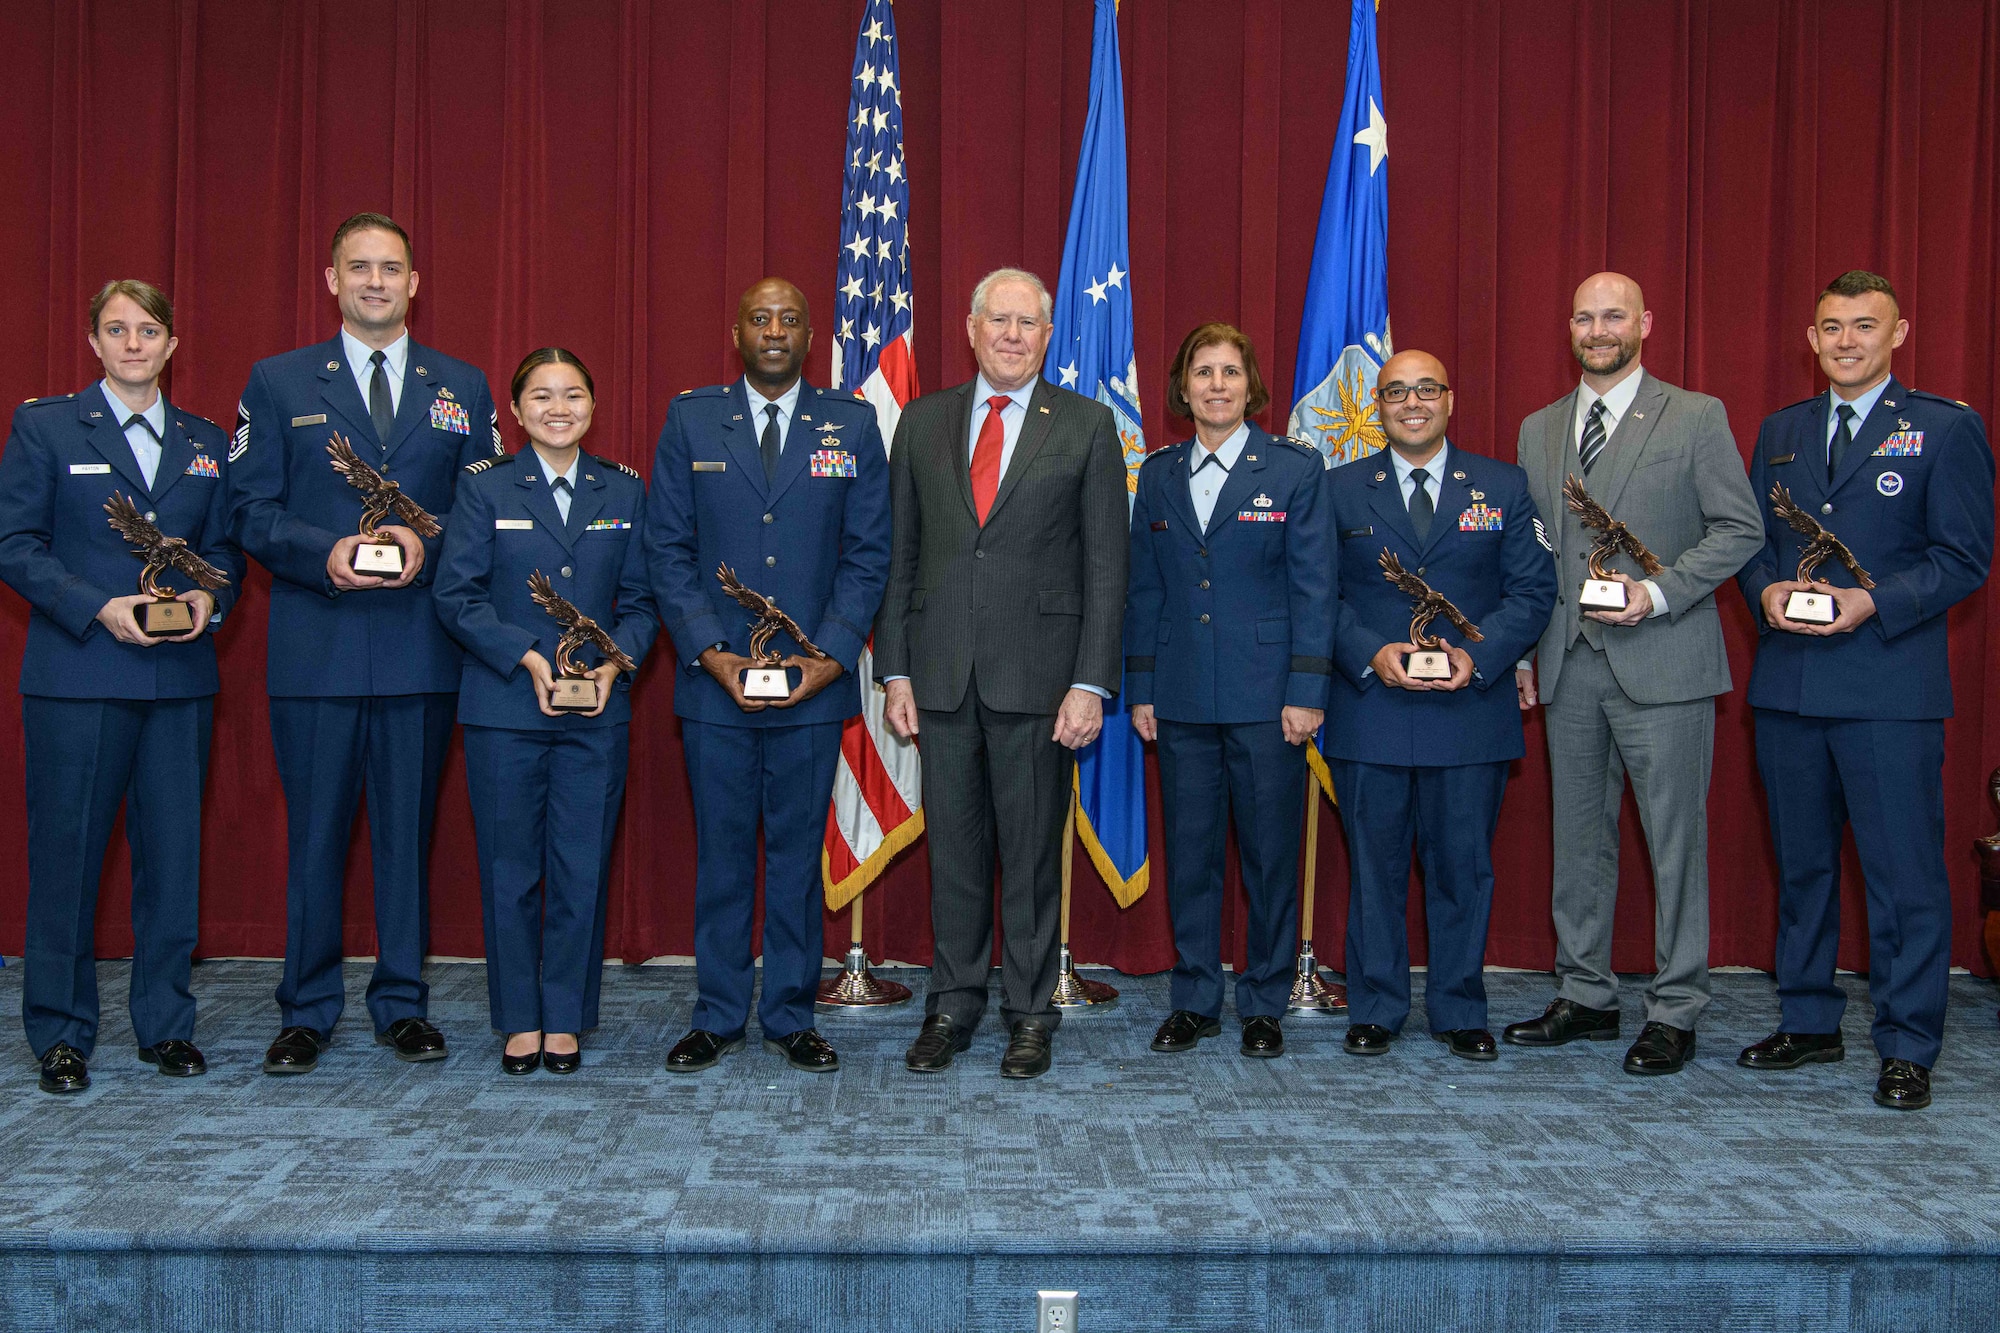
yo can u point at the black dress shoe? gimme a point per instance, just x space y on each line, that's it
559 1062
937 1041
1263 1039
1368 1039
413 1039
1028 1050
1662 1048
1184 1030
1903 1086
520 1064
1563 1021
175 1058
1469 1043
64 1069
295 1051
699 1050
805 1049
1789 1050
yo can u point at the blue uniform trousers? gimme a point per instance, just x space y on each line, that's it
544 808
783 775
85 756
1205 771
1886 778
326 748
1451 813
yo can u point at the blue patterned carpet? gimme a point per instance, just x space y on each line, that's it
1198 1192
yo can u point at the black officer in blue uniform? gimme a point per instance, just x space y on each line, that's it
787 484
1228 634
362 677
1850 716
546 785
1426 761
110 714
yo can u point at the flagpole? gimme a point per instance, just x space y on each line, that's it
856 987
1312 997
1073 991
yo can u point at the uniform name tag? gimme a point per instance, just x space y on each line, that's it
513 524
1481 517
1159 525
316 419
701 466
608 525
88 469
1902 444
450 415
1783 458
832 463
202 466
1260 516
1368 531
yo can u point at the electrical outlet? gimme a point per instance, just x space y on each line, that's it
1058 1312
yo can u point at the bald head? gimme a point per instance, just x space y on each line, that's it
773 335
1607 322
1414 424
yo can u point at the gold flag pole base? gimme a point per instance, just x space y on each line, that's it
856 987
1312 997
1073 991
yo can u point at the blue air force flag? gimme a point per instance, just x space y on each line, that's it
1344 336
1091 351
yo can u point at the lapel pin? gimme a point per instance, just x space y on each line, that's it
422 371
1381 476
588 477
95 415
1045 411
1479 495
529 477
805 416
737 417
333 365
1249 458
1459 475
826 426
1887 403
444 390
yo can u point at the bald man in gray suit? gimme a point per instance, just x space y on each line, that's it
1632 692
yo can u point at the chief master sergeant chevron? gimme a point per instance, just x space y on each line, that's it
362 677
1850 716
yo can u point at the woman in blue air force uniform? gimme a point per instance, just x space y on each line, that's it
545 785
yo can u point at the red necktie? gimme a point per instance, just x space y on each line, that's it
986 457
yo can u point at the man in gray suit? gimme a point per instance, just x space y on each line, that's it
998 642
1632 691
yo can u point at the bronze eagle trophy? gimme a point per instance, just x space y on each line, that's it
766 679
1814 608
1429 662
166 615
1602 592
380 497
574 690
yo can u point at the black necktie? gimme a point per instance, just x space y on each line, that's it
137 420
1592 443
1843 435
381 406
1421 508
563 491
768 446
1210 458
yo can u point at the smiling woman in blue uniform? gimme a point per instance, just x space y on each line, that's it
1228 633
546 785
111 714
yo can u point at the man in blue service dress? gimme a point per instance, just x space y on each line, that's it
362 677
1422 760
1228 630
111 714
1850 715
788 485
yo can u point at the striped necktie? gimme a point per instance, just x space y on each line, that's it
1592 443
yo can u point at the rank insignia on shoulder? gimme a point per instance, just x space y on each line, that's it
1903 443
631 472
202 466
1542 536
684 393
1261 502
1481 518
481 465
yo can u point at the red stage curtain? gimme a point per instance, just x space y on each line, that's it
609 174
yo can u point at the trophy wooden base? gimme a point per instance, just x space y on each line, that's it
573 696
1811 608
166 620
766 683
1428 666
1601 595
383 560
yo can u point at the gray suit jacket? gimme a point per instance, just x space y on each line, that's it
1672 474
1035 599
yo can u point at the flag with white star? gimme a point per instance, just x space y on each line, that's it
1344 336
877 790
1091 351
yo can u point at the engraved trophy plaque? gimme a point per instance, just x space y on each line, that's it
1600 591
765 678
574 690
1811 606
1430 661
379 556
166 616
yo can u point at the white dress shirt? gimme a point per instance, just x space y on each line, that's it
1205 478
145 443
395 358
786 403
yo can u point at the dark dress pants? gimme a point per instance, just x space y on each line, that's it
783 777
1205 772
1886 780
994 783
85 757
544 811
326 750
1451 814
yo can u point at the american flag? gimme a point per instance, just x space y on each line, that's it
876 808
